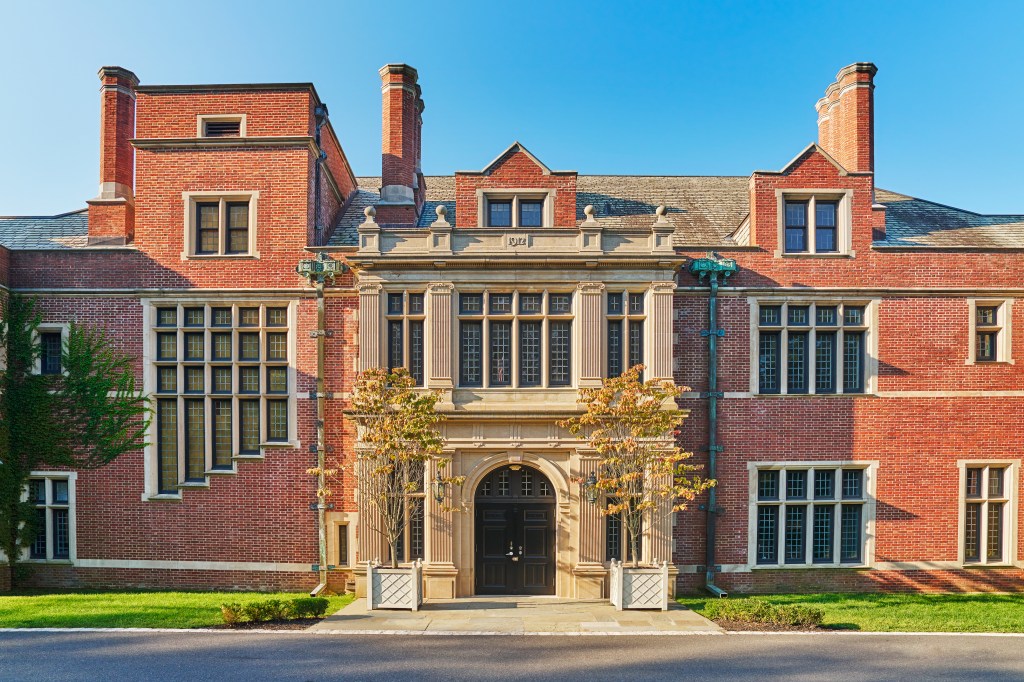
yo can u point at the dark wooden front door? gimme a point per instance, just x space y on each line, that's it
515 537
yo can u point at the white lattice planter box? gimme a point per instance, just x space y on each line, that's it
394 588
639 588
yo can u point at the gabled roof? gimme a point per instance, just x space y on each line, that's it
64 231
807 151
512 149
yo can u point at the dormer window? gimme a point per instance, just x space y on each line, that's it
814 224
516 209
221 126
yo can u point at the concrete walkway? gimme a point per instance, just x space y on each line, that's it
515 615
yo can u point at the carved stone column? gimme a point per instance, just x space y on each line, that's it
591 339
589 572
659 332
439 571
369 325
439 340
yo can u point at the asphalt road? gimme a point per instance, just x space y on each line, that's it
221 656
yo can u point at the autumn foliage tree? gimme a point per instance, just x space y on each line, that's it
641 473
399 435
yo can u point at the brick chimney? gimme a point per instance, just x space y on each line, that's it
402 190
846 118
112 212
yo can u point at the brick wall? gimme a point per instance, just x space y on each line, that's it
515 170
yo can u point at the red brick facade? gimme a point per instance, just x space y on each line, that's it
929 406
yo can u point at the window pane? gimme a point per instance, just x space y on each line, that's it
853 316
822 533
825 362
987 315
167 317
850 538
767 535
529 353
277 420
525 483
827 315
277 346
471 304
796 239
61 534
238 214
207 224
796 485
613 537
167 445
166 346
195 440
249 346
853 484
853 362
797 358
614 348
799 315
343 545
248 379
972 533
194 380
416 351
771 316
974 483
531 214
558 353
995 482
396 345
277 317
559 304
249 426
796 534
416 304
499 214
221 345
768 485
277 379
501 353
37 491
60 491
49 359
395 304
825 226
470 352
221 380
38 548
825 239
501 304
238 241
636 304
796 214
986 346
221 317
416 528
768 370
994 541
195 346
221 434
248 317
636 343
530 304
824 484
615 302
194 317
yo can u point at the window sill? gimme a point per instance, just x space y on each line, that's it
802 567
162 497
1002 564
814 395
220 256
49 562
986 363
783 254
280 444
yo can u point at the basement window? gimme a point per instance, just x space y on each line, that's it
221 126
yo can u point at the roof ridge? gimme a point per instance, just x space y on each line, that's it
44 217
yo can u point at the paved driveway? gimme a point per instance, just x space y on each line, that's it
303 656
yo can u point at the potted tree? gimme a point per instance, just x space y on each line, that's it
641 475
399 434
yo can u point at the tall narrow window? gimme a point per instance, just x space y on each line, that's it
167 446
50 353
471 349
626 318
988 332
987 495
405 316
559 357
825 226
51 497
796 226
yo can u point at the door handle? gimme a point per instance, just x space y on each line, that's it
510 554
515 558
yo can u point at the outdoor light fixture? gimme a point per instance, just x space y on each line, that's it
440 490
590 488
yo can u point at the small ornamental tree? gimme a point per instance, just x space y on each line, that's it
640 468
82 418
399 435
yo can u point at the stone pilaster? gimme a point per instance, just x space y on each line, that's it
659 334
439 339
439 571
590 573
592 339
369 325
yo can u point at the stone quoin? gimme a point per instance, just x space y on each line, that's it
866 396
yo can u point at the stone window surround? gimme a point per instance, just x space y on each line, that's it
484 196
870 344
405 318
1011 485
201 120
337 521
50 328
71 477
623 319
1004 347
870 468
151 484
844 221
190 199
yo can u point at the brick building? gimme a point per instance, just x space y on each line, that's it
864 400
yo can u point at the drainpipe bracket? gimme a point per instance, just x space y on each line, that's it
712 394
713 332
320 332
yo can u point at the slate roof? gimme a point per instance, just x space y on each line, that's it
912 222
65 231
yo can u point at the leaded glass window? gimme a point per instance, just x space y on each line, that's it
405 316
221 227
989 334
811 225
50 352
986 513
625 338
51 498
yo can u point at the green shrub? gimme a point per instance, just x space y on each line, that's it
257 611
232 613
764 613
307 607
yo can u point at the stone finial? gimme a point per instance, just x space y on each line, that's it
370 212
588 211
662 218
441 210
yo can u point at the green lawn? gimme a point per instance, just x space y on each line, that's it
907 612
94 609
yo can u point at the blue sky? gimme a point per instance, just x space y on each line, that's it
677 88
